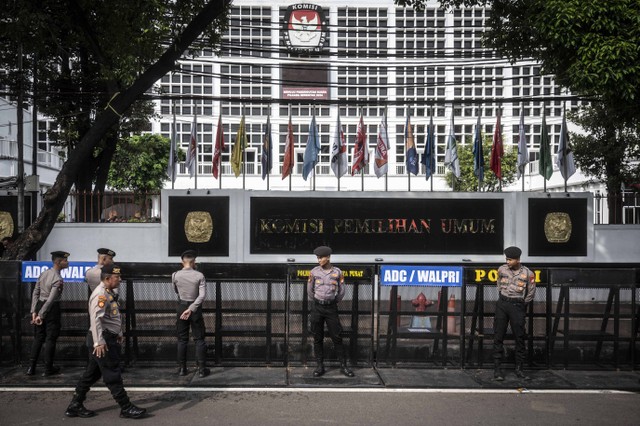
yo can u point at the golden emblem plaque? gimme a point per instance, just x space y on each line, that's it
557 227
6 224
198 227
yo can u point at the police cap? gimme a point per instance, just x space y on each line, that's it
322 251
111 269
107 251
59 255
189 254
512 252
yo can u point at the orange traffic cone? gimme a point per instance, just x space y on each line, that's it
451 320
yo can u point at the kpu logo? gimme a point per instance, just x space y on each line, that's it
305 28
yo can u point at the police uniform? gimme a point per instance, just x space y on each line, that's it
190 286
45 303
105 329
92 276
516 288
325 289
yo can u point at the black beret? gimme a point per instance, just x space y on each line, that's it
107 252
512 252
111 269
190 254
322 251
59 255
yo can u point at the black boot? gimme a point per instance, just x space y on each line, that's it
203 371
51 370
32 368
498 375
319 371
182 369
133 412
519 373
77 409
344 369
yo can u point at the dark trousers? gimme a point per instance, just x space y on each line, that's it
46 334
321 314
107 367
196 323
509 313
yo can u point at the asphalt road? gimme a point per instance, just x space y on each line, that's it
326 407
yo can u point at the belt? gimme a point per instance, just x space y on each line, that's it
184 302
325 302
111 334
511 299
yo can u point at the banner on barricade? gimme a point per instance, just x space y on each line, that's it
74 273
440 276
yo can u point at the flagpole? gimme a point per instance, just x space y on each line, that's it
542 130
523 167
365 147
220 159
313 112
432 148
244 151
502 144
285 150
269 151
195 159
339 148
175 147
564 146
406 152
386 127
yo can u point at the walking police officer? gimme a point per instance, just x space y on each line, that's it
190 285
104 343
326 289
45 313
516 288
93 275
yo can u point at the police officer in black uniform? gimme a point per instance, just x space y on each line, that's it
516 288
46 314
325 289
104 346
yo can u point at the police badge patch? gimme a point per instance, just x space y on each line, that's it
305 28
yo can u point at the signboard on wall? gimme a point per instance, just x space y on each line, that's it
437 276
558 227
199 223
287 225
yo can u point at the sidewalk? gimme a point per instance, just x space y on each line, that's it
369 377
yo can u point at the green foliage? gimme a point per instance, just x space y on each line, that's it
140 164
468 181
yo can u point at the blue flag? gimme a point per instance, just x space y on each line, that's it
428 158
312 150
410 148
478 154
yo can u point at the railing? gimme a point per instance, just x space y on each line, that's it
258 315
618 209
112 207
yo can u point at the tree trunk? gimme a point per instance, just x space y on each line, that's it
34 236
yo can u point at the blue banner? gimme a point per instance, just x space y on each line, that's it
440 276
74 273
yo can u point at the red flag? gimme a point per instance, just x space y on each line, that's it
219 149
360 157
497 150
287 165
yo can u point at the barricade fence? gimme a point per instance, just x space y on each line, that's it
259 315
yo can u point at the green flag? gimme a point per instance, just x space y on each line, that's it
238 149
544 163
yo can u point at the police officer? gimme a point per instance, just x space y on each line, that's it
92 275
104 343
516 288
45 313
190 286
326 289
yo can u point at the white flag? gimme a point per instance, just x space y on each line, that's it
192 150
339 151
451 159
523 152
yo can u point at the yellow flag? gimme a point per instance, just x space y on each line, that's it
238 149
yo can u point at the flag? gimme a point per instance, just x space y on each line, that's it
360 155
266 150
192 150
173 153
523 152
565 155
544 163
428 158
219 149
238 149
410 148
451 159
478 154
381 157
312 150
287 164
339 151
497 150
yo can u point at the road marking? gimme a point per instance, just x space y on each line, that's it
331 390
